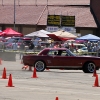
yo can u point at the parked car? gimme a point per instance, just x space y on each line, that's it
11 40
19 41
83 51
57 58
77 45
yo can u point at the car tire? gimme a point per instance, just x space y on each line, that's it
89 67
40 66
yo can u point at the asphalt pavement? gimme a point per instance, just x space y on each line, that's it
52 83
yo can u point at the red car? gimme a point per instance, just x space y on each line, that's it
57 58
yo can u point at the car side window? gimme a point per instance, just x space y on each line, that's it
58 53
61 53
52 52
64 53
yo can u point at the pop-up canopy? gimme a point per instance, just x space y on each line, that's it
40 33
88 37
61 36
9 33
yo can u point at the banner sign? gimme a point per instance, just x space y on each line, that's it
52 28
53 20
68 21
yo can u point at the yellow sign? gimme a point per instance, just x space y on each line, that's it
68 21
53 20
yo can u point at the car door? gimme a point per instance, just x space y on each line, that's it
71 61
50 58
65 60
55 59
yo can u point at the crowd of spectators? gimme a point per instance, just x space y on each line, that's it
92 46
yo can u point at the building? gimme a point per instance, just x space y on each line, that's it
29 16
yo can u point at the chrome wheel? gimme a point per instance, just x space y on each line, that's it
91 67
40 66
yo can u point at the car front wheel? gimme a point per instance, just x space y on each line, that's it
89 67
40 66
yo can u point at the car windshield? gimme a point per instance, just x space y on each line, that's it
84 48
72 54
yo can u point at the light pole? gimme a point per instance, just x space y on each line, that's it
47 2
36 2
14 14
2 2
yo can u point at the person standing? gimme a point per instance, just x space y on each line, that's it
31 46
14 45
89 47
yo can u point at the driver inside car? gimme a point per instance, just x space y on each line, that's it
59 52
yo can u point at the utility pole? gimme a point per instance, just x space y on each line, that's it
47 2
36 2
2 2
14 14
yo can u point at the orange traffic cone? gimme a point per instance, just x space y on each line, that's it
4 74
57 98
0 62
34 73
94 73
96 83
10 84
23 67
26 66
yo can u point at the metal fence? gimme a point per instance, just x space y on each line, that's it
37 49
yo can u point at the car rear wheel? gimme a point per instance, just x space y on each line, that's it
89 67
40 66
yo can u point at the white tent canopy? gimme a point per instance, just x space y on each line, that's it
40 33
64 34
